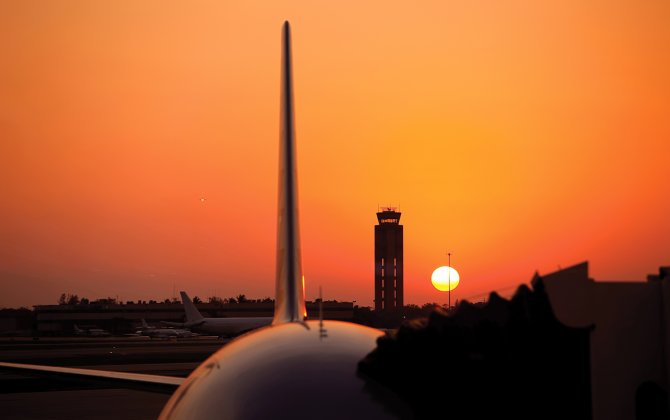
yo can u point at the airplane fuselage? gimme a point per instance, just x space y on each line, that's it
230 326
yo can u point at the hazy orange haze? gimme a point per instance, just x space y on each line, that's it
519 135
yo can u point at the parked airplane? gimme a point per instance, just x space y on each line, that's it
293 368
91 332
154 332
227 327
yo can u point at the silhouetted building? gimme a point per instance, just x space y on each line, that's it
16 321
388 261
630 342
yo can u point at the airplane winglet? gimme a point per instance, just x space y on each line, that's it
290 296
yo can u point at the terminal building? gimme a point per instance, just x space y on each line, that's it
124 318
388 261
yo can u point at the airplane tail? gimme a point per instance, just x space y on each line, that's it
192 314
144 324
290 283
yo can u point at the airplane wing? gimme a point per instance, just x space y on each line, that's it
142 382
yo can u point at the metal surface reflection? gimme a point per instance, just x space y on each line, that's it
290 283
287 371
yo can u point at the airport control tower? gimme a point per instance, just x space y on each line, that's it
388 260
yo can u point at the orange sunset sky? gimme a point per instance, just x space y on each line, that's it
519 135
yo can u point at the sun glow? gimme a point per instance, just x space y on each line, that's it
445 278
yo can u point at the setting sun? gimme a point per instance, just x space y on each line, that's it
445 278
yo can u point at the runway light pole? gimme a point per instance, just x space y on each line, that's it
449 279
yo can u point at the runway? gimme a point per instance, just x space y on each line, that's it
28 397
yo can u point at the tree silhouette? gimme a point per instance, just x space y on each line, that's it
68 299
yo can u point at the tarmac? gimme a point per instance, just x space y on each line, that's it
31 397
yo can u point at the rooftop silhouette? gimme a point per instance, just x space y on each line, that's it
568 347
506 359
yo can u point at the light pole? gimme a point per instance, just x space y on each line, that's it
449 279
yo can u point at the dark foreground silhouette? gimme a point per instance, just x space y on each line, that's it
507 359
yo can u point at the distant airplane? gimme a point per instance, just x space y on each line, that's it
294 368
91 332
226 327
154 332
